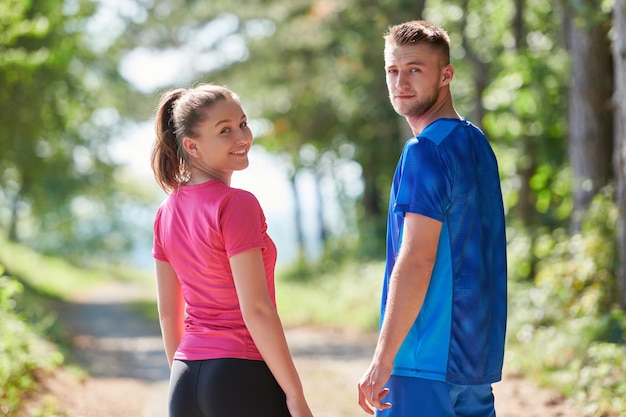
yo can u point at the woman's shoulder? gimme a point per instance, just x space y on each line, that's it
241 196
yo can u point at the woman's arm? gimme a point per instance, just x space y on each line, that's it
171 308
264 325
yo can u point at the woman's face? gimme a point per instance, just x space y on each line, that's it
223 140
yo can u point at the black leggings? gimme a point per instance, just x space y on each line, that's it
225 388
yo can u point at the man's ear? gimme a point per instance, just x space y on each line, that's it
190 146
447 73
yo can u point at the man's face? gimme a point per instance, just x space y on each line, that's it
414 76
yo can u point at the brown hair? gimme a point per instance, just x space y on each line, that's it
417 31
178 113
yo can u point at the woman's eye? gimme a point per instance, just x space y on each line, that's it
225 130
243 125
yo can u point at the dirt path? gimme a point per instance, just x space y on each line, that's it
128 371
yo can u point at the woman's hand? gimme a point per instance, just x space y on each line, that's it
299 408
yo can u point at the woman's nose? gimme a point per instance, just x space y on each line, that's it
244 136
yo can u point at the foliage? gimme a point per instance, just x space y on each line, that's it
23 354
310 75
523 118
567 329
322 105
59 189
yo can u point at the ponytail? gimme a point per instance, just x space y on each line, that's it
168 160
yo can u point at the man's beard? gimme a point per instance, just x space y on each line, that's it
422 105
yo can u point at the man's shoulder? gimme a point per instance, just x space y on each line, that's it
441 129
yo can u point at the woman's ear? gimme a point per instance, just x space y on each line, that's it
190 146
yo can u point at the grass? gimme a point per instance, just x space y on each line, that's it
346 297
47 275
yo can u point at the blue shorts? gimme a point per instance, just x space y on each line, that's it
417 397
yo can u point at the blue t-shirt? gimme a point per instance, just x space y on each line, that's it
449 173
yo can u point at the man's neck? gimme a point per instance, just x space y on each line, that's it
443 109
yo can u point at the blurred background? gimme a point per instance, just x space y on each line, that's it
545 80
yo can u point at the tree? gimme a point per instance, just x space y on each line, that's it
329 71
310 70
59 107
496 85
590 117
313 70
619 156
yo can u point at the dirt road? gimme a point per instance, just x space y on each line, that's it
128 371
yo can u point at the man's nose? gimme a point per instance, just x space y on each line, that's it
401 80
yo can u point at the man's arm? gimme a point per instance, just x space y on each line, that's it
407 289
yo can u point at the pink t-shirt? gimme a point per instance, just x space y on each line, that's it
197 229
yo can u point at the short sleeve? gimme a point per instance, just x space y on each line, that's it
157 247
243 223
423 182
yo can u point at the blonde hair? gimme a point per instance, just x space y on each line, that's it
420 31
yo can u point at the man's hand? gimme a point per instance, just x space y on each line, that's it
372 390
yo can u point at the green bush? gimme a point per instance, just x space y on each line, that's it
566 328
23 352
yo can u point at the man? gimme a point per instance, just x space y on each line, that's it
443 313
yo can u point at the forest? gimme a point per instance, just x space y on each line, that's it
545 80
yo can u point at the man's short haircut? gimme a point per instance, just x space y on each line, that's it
419 31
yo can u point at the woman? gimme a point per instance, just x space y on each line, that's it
215 267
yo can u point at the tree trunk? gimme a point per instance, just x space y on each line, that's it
322 232
527 165
481 69
298 218
13 219
590 117
619 161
